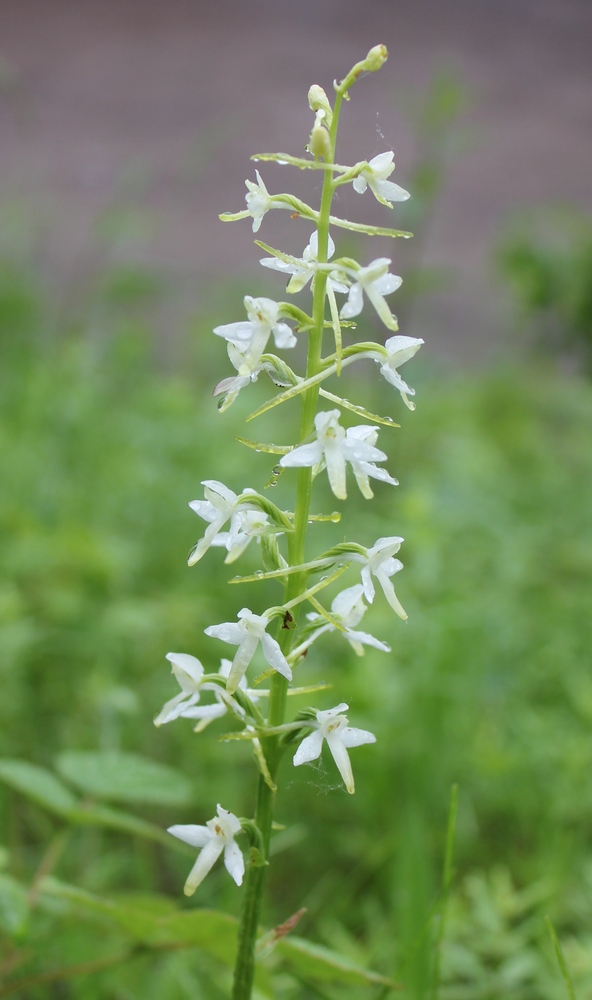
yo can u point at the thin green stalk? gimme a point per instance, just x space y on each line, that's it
255 876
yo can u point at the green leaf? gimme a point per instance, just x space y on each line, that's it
124 777
113 819
209 930
317 962
14 906
38 784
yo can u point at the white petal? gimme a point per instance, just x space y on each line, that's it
354 304
274 656
335 460
234 862
356 737
197 836
242 658
387 284
227 631
284 335
205 712
341 758
391 191
187 669
365 639
303 455
205 862
309 749
389 593
174 708
360 184
369 590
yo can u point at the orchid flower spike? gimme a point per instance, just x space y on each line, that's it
335 447
247 634
251 335
376 282
374 175
213 839
332 726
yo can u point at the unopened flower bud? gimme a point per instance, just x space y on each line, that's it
318 101
320 143
376 58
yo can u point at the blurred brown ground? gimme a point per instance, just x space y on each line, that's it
158 105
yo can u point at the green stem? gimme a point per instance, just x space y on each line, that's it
255 877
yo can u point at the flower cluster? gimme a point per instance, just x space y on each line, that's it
330 442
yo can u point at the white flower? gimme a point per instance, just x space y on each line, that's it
220 505
189 673
251 336
379 561
248 525
399 350
259 201
215 837
334 447
359 451
230 387
224 701
332 726
374 176
348 609
302 269
376 282
247 634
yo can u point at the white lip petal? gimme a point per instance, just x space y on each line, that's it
341 758
204 864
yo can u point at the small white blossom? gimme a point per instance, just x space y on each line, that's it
250 336
379 561
230 387
259 201
348 609
215 838
374 176
248 525
399 350
332 726
189 674
220 505
334 447
359 451
376 282
302 269
224 701
247 633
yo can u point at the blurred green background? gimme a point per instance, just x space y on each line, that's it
107 429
